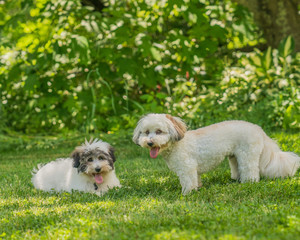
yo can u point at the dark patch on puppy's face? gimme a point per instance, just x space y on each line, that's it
82 168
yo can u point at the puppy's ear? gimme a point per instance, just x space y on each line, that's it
111 153
76 155
137 131
179 126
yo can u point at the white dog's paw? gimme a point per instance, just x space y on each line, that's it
252 179
187 190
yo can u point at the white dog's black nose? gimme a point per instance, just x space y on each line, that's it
150 144
97 169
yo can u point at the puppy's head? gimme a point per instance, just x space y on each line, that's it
94 158
158 131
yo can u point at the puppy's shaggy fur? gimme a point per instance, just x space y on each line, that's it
90 169
190 153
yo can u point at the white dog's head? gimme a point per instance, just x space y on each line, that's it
158 131
94 158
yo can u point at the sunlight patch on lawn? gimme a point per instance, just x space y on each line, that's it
98 205
230 237
294 222
48 205
22 202
59 233
149 204
161 180
176 234
41 211
289 224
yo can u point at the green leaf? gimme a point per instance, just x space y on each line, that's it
207 47
255 60
155 54
147 97
14 73
126 65
31 82
161 95
218 32
286 46
192 18
82 41
80 48
267 58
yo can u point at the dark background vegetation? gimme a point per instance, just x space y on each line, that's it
85 66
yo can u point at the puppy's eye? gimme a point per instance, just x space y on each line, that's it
90 160
147 132
100 158
158 131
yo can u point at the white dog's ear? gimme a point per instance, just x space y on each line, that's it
137 131
179 126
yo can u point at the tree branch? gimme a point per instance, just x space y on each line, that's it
98 5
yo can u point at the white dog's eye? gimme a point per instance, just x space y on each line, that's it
90 160
158 131
147 132
100 158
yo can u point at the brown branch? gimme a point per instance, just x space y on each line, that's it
98 5
261 47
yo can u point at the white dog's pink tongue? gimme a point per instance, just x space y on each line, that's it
154 152
98 179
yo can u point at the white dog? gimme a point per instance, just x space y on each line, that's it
190 153
91 169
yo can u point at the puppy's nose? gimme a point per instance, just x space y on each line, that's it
97 169
150 144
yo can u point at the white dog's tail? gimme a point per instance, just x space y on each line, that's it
276 163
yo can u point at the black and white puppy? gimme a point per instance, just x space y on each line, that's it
90 169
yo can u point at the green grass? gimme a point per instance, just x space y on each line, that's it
149 205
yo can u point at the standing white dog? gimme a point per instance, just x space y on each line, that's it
190 153
91 169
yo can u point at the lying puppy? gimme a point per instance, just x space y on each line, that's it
91 169
190 153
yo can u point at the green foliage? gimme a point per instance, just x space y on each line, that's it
149 205
43 57
66 67
265 88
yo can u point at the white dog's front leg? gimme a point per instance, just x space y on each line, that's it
188 180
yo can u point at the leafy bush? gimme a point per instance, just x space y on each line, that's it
265 88
262 88
65 66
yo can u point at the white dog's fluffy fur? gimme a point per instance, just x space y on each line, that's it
190 153
90 169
